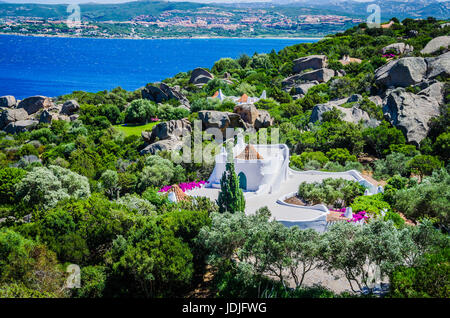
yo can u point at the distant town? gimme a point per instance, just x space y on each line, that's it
201 22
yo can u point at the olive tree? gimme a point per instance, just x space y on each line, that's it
140 111
110 182
44 187
158 172
358 249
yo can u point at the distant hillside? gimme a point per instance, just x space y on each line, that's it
127 11
96 12
390 8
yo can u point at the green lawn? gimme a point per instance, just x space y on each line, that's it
132 129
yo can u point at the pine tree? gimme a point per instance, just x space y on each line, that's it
231 199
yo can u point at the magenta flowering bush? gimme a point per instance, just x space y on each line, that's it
389 55
154 119
185 186
338 210
361 215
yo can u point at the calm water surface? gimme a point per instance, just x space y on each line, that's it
55 66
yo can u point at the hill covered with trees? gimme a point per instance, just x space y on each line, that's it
74 189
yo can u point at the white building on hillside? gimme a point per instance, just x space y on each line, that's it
244 99
260 168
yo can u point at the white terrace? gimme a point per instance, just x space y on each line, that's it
266 179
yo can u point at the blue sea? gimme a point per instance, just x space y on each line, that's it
55 66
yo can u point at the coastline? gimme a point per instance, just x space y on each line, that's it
163 38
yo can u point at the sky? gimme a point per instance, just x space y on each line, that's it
121 1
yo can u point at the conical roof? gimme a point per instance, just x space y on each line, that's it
243 98
249 153
180 195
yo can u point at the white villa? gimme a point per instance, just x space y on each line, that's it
260 168
244 99
266 180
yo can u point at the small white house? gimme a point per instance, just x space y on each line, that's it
244 99
260 168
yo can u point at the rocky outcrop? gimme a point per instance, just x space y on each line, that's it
166 136
399 48
412 33
353 114
438 66
153 93
402 73
322 75
254 117
302 89
70 107
221 120
314 62
377 100
167 130
8 101
163 93
175 93
49 115
303 82
161 145
248 112
410 113
46 117
436 44
200 76
35 103
11 115
409 71
290 82
264 120
21 126
434 90
227 78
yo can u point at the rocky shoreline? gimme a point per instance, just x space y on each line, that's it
162 38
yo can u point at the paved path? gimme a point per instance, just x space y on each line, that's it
280 211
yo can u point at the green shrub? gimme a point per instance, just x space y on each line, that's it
395 163
431 279
334 192
371 204
340 155
371 108
424 165
407 150
379 139
225 65
9 178
140 111
300 161
429 198
394 217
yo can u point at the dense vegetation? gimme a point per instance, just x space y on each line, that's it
79 192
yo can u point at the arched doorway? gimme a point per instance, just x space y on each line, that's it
242 181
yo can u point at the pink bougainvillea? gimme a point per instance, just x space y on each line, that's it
339 210
361 215
185 186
